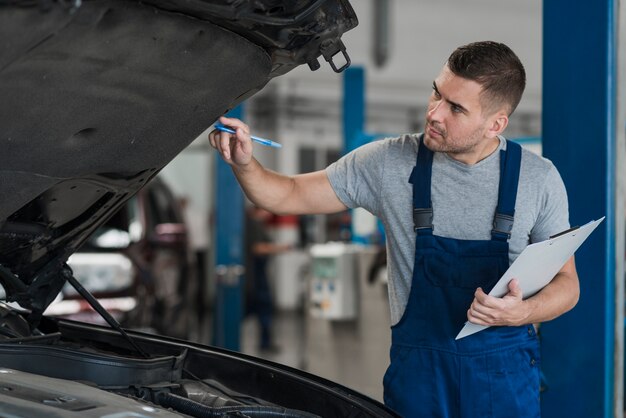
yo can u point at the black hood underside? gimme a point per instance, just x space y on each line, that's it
95 102
98 96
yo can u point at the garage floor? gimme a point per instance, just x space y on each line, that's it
343 353
353 353
289 337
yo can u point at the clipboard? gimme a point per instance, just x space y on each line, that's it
537 265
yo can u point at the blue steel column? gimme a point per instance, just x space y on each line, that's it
354 110
353 107
353 119
229 214
579 100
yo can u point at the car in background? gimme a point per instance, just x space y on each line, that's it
139 266
97 97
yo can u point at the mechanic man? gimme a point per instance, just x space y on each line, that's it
459 203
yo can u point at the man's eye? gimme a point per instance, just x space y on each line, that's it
456 109
436 94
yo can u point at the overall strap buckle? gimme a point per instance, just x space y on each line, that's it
502 225
422 218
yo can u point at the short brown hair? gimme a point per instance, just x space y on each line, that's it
496 68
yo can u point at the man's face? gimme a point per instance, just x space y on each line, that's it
455 123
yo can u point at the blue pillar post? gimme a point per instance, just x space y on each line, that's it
229 255
579 136
353 107
353 120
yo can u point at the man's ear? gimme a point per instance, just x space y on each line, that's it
497 124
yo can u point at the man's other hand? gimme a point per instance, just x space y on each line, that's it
510 310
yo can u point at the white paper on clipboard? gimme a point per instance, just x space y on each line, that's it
536 266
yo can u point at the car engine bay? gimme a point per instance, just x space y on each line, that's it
67 366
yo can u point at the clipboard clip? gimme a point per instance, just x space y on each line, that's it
565 232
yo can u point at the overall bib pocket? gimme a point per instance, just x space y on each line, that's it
469 273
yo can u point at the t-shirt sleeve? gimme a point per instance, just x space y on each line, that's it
554 213
356 178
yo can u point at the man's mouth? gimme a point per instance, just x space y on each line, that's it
432 131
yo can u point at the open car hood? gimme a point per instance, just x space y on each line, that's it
98 96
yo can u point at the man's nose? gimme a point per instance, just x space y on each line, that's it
434 111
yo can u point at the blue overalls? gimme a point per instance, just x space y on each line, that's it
493 373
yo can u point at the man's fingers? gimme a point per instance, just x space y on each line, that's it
485 299
235 147
482 315
476 317
244 141
220 141
479 308
235 123
479 294
224 144
482 311
514 289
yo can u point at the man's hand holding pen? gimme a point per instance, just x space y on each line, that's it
235 149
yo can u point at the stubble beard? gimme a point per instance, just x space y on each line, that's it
452 146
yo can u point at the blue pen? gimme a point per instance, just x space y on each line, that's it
262 141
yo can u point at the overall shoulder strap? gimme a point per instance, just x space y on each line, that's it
420 179
510 161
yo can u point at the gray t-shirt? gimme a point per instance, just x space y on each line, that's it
376 178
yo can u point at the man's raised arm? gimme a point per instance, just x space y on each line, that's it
309 193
